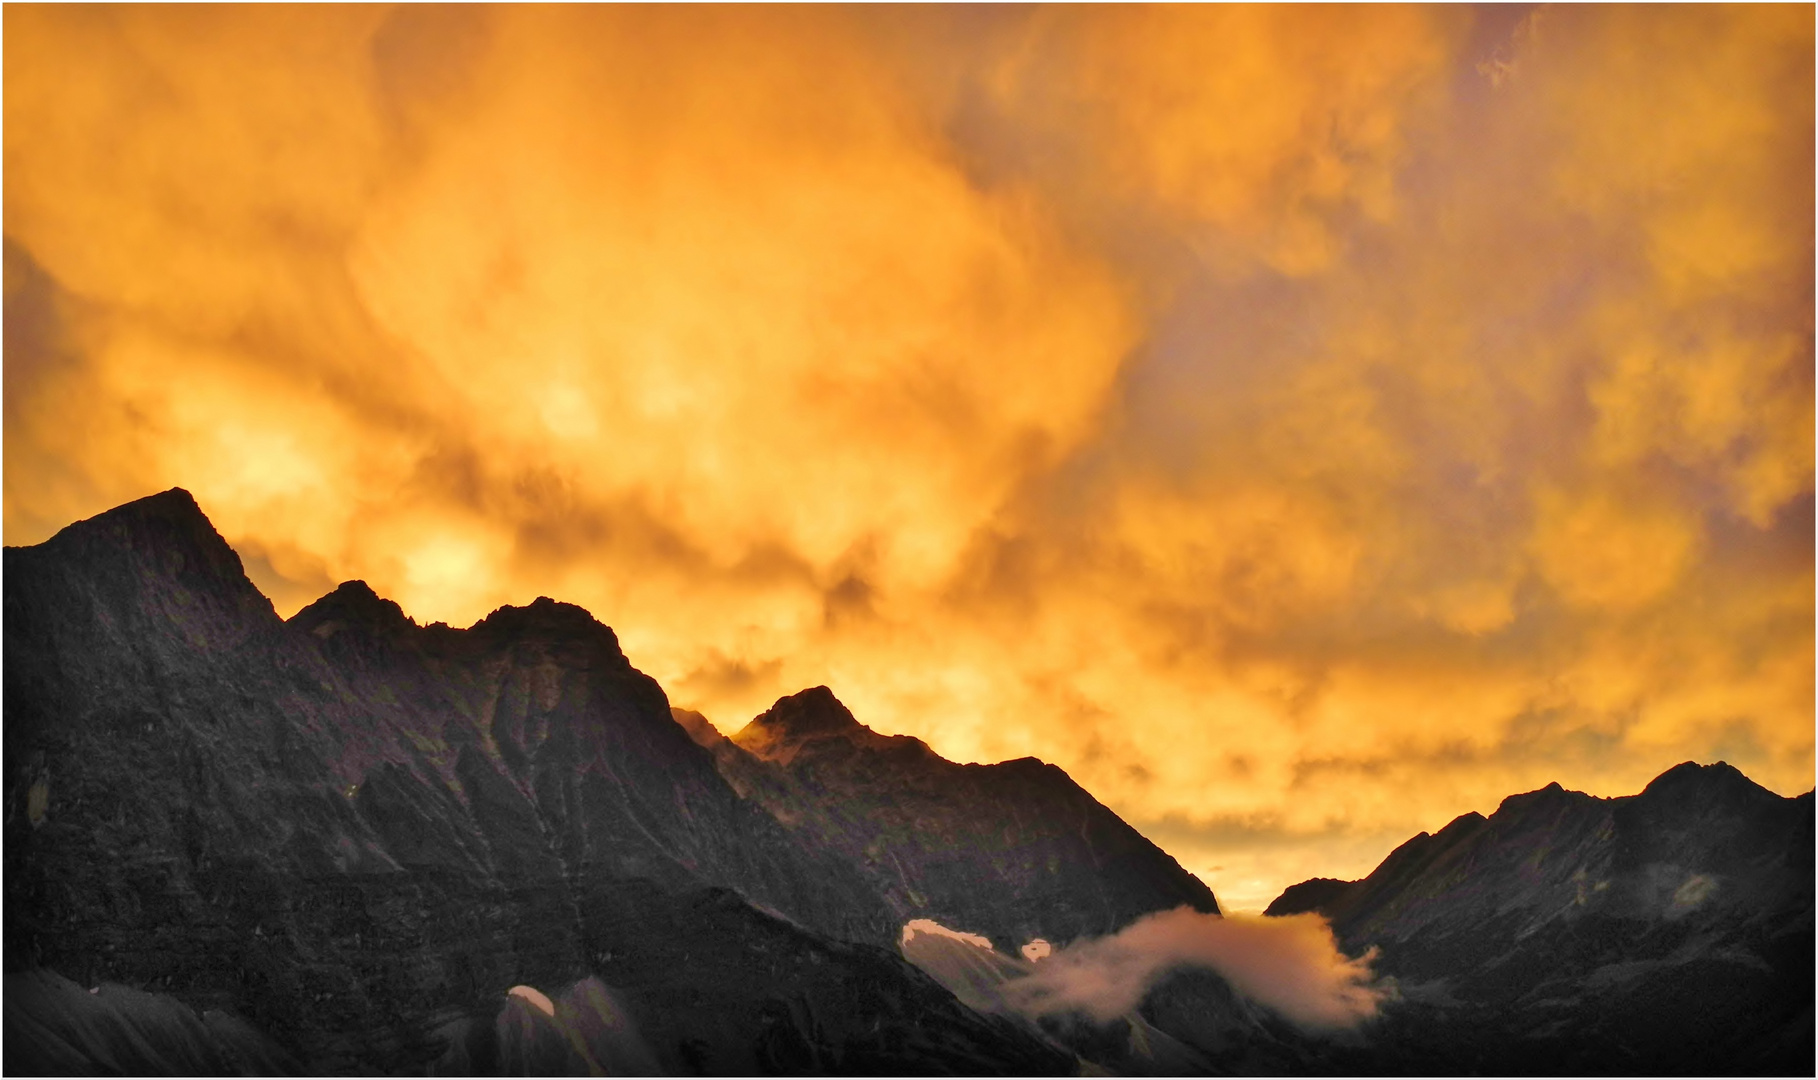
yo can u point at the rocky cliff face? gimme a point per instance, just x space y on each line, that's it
354 834
1013 851
1665 932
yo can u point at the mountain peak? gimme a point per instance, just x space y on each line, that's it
1315 895
698 727
174 502
170 519
1688 774
1690 784
159 552
352 603
808 716
541 611
1545 799
544 617
814 711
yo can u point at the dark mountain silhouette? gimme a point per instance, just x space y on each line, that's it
1014 851
352 835
1669 932
1313 894
348 843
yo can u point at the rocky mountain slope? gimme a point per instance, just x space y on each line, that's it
1669 932
1014 851
352 835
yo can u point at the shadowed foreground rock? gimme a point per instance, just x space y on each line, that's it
54 1027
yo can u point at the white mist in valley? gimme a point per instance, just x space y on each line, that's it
929 926
1290 965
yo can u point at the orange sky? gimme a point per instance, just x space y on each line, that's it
1303 425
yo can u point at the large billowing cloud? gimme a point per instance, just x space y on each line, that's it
1290 964
1303 425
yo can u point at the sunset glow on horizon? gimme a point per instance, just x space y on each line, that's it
1301 424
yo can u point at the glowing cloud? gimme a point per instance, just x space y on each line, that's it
536 997
1290 965
1301 424
929 926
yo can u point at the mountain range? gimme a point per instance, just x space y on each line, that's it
345 842
1667 932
